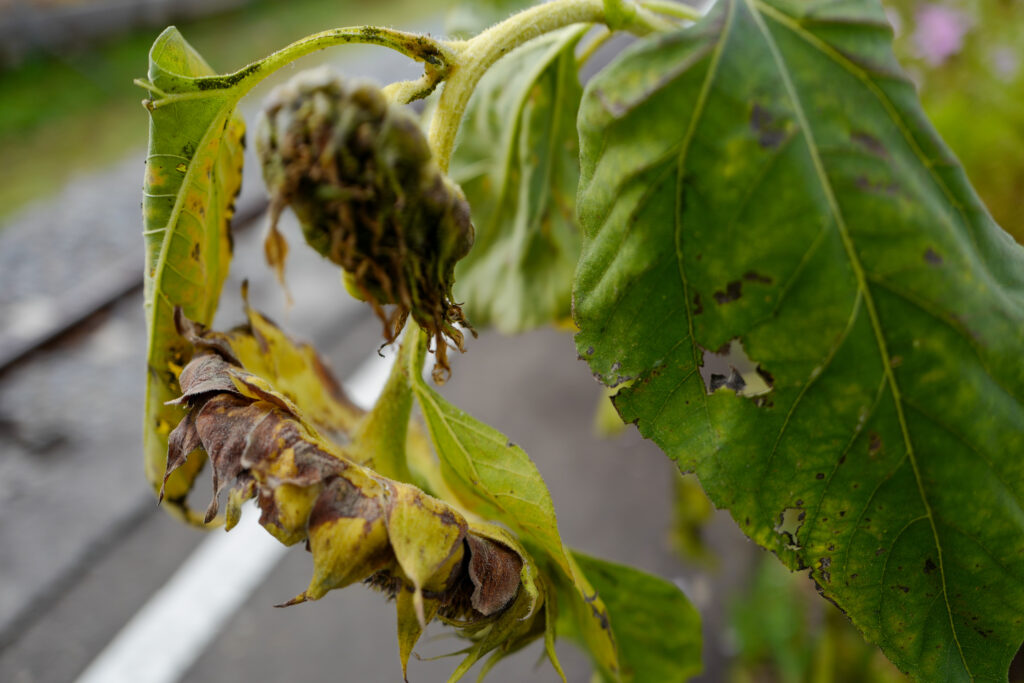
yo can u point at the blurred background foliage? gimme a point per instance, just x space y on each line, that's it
778 629
967 59
783 632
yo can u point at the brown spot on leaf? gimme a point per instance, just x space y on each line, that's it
341 499
864 183
733 291
770 130
932 257
698 307
874 443
870 143
753 276
929 566
601 614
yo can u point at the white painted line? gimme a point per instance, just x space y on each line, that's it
167 635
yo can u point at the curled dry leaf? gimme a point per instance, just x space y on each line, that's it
358 173
358 525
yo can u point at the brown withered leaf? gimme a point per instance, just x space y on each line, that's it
358 525
180 442
494 571
295 369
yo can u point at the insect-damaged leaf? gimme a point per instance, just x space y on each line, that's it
768 175
494 478
193 172
518 163
656 627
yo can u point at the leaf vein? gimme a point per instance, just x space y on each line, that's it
684 150
863 288
948 321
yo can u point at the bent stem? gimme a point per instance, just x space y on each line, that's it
436 56
473 57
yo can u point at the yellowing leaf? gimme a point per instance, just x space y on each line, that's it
296 370
193 172
426 537
409 627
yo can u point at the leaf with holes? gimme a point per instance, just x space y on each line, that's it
762 193
518 163
193 173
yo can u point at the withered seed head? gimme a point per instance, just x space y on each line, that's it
358 173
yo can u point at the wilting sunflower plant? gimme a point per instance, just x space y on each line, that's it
762 244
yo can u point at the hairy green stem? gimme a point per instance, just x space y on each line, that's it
436 56
672 9
404 92
473 57
381 438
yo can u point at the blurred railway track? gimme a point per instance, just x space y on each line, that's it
80 307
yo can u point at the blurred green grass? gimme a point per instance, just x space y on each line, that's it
66 114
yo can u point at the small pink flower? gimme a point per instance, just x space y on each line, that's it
939 34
